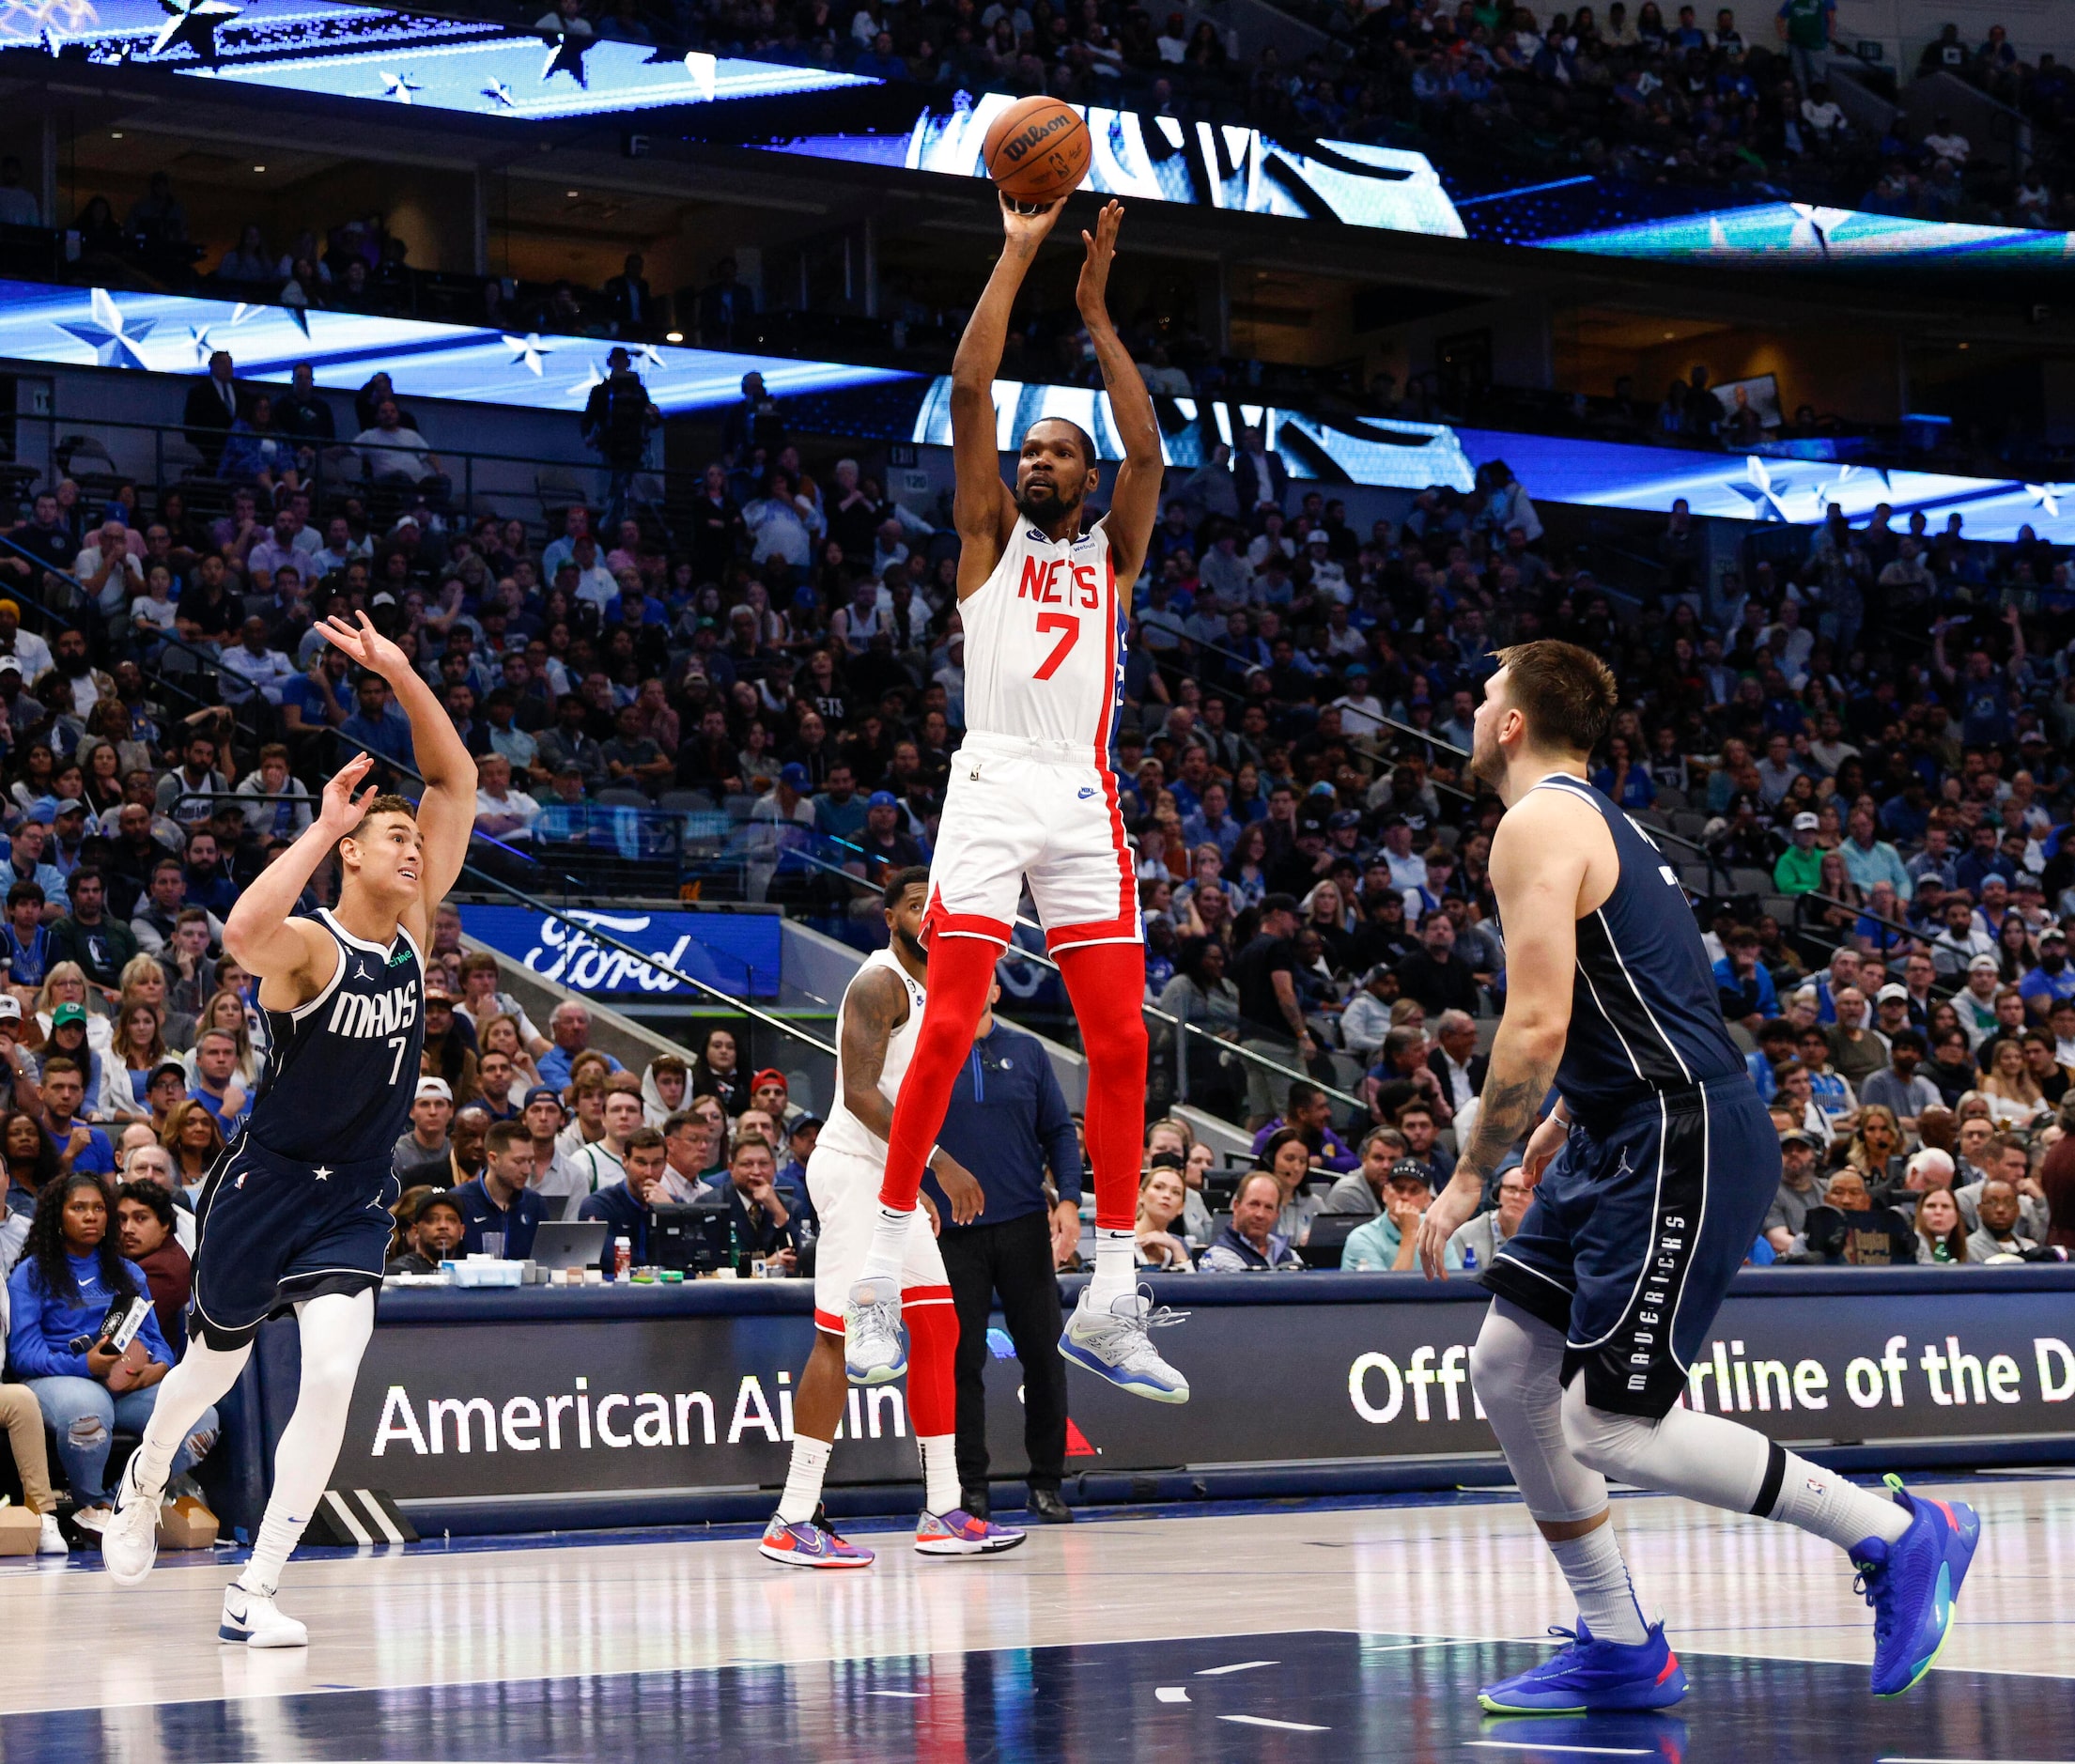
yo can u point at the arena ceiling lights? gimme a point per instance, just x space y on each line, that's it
391 58
166 334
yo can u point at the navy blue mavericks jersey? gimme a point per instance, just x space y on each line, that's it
341 1072
1644 1013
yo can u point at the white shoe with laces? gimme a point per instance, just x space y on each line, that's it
50 1539
130 1539
1112 1343
874 1346
254 1619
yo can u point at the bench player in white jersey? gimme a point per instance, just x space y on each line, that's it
876 1030
1033 796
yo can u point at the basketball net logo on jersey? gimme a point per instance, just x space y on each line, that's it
1045 641
359 1018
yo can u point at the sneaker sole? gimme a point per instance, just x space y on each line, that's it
1952 1609
1659 1697
1088 1362
953 1546
792 1559
875 1374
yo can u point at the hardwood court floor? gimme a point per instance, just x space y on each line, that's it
1370 1624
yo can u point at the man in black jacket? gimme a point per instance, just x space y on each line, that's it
1007 1120
212 406
1437 976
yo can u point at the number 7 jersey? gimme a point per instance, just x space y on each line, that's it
341 1071
1044 640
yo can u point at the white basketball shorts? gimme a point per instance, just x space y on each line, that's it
1042 810
845 1189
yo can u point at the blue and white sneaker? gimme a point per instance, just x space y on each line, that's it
1590 1676
958 1533
874 1345
1911 1585
809 1545
1112 1344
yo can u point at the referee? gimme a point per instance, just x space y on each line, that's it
1007 1120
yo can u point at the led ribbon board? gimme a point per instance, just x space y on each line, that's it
164 333
391 58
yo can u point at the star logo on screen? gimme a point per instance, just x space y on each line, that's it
192 23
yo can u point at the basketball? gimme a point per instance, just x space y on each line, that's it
1037 152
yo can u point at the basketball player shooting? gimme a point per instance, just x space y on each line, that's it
1651 1175
295 1215
1033 796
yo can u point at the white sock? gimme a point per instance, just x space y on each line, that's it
1822 1502
795 1506
1116 1267
1599 1578
941 1490
890 1230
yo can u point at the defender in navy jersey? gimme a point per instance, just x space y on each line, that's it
295 1215
1652 1174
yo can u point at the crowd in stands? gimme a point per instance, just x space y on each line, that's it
1853 755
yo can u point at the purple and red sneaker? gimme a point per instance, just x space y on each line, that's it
958 1533
809 1545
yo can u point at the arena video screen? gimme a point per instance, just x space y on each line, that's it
1354 184
386 56
173 333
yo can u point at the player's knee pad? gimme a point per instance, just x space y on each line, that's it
1614 1444
1515 1354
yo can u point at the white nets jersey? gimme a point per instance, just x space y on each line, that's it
1045 641
843 1131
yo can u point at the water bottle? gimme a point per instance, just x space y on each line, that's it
623 1257
1469 1259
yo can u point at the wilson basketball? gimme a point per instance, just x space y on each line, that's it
1037 152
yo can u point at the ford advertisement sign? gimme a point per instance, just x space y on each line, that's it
736 952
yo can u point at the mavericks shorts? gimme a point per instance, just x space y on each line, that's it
1637 1227
271 1232
1042 810
845 1189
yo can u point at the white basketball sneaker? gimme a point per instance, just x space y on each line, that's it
258 1621
49 1541
874 1346
1112 1344
130 1539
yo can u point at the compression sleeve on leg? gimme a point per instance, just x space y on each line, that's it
203 1377
1516 1368
335 1328
961 973
1105 982
933 1400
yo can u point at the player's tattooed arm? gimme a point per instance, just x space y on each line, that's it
1508 1108
874 1007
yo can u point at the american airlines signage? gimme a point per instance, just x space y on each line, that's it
736 952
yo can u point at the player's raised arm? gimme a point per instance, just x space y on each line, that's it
446 814
258 932
1539 863
1134 500
982 508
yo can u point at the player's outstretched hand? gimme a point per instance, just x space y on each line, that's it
1029 226
1543 1144
340 812
1450 1208
1091 294
365 644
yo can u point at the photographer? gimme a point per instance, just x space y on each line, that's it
59 1297
616 421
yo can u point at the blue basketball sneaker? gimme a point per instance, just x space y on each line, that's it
1911 1585
1590 1675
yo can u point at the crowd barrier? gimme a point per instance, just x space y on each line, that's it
539 1408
